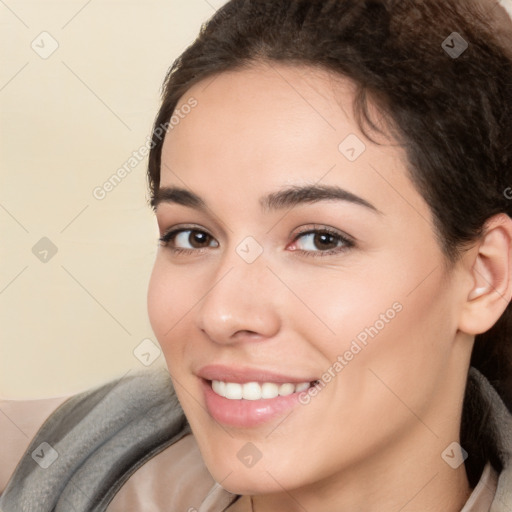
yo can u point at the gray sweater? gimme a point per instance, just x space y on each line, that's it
92 444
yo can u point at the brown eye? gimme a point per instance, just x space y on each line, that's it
188 239
198 239
325 241
321 242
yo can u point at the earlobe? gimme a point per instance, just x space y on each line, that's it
491 274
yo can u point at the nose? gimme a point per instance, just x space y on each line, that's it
241 304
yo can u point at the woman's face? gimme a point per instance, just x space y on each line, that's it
303 254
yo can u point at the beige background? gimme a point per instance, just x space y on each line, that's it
69 120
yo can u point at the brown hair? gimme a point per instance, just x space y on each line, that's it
451 113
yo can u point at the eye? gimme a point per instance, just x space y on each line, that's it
312 242
321 242
187 240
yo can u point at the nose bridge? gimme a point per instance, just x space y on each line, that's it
240 297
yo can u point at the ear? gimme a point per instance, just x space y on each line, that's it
491 275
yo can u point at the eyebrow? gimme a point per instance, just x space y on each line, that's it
286 198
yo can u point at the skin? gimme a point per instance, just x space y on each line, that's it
372 439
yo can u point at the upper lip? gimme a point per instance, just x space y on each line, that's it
242 374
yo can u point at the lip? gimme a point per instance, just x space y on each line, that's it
243 374
246 413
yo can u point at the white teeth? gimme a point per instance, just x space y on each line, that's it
269 390
301 387
255 390
233 391
251 391
286 389
219 387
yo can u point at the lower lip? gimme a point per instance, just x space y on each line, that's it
246 413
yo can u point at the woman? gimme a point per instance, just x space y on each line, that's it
331 184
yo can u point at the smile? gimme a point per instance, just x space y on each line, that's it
249 404
256 390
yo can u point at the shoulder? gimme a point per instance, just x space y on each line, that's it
95 441
492 420
19 422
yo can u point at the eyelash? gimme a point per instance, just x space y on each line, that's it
348 243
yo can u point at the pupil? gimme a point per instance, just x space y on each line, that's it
198 239
323 240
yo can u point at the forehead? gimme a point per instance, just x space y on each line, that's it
272 125
263 109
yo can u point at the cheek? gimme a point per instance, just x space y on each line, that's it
403 335
394 315
170 298
333 306
158 300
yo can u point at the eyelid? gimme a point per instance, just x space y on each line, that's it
168 213
321 228
347 240
183 227
172 232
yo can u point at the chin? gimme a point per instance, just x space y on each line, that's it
264 477
247 482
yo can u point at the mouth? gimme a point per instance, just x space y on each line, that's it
257 390
253 403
